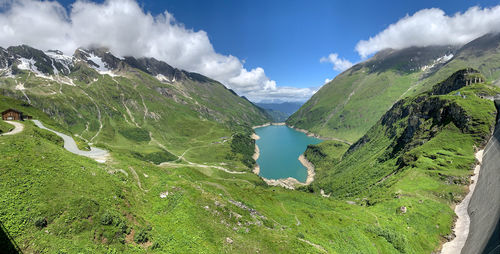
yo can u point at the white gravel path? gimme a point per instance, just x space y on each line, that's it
97 154
18 127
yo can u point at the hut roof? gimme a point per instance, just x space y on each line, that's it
11 109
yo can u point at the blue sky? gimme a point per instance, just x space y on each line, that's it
288 38
265 50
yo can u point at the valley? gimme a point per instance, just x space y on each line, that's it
178 173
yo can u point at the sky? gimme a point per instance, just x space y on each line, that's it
267 50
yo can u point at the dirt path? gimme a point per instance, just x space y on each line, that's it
462 224
317 246
136 176
18 127
97 154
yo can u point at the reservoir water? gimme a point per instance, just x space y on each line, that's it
280 147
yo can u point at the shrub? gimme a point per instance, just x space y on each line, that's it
155 246
135 134
141 236
398 241
243 144
106 219
40 222
156 157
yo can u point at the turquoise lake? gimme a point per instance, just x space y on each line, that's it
280 147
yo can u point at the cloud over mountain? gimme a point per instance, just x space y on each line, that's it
127 30
339 64
433 27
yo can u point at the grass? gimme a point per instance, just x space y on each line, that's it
427 172
5 127
51 199
95 207
351 104
118 207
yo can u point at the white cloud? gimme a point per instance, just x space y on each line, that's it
339 64
124 28
327 80
433 27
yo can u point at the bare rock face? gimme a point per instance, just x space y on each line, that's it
458 80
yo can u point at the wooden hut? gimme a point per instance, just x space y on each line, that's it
12 114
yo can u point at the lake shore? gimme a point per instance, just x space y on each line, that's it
267 124
310 134
462 224
255 156
290 182
310 169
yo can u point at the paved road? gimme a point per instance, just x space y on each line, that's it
484 206
98 154
18 127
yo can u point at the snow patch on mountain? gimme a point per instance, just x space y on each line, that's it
19 86
101 67
58 56
440 60
162 78
28 64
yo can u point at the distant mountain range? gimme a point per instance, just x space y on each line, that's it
280 111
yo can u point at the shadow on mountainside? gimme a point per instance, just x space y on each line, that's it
7 244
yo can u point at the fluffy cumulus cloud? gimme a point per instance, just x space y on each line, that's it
127 30
339 64
433 27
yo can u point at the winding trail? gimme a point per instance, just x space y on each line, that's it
18 127
462 224
97 154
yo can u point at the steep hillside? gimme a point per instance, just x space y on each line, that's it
55 201
141 105
52 199
349 105
419 155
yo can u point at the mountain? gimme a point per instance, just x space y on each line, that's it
179 180
140 105
349 105
286 107
280 111
56 200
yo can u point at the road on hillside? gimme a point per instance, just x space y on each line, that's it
97 154
18 127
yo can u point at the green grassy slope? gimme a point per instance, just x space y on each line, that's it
137 113
52 200
5 127
418 155
349 105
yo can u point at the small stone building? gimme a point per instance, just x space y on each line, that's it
12 114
